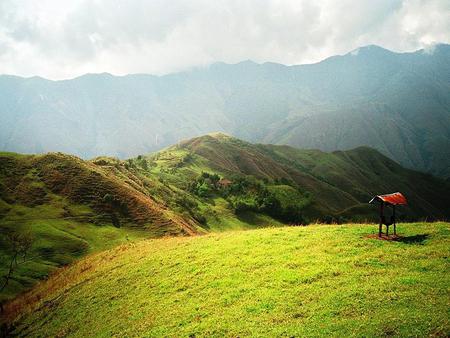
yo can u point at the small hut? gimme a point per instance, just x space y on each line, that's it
389 200
224 183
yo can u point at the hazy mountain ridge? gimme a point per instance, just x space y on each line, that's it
397 103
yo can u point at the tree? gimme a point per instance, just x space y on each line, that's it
270 204
19 244
214 179
203 189
144 164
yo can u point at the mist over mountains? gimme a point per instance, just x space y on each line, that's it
398 103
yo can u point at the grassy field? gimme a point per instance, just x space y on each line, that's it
319 280
56 241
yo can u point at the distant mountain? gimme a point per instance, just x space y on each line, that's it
397 103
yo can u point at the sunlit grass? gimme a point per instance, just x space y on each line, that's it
290 281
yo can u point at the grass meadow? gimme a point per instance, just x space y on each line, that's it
318 280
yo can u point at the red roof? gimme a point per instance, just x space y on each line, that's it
225 182
396 198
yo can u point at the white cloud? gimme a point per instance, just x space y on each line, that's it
61 39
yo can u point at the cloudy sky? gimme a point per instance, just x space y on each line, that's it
62 39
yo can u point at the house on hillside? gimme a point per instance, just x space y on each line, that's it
224 183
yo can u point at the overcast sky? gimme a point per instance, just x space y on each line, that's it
62 39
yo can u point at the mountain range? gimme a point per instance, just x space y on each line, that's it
397 103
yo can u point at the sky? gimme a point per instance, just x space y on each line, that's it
59 39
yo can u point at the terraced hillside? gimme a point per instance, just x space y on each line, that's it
71 207
320 280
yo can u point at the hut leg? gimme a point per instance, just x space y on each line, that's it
395 225
380 227
387 230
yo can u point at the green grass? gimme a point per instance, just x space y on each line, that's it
56 241
12 154
220 217
289 197
319 280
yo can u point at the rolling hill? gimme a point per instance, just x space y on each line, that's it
312 281
73 207
337 183
397 103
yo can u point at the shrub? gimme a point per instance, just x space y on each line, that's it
144 164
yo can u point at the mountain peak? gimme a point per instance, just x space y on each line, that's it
96 75
219 135
244 63
369 49
247 63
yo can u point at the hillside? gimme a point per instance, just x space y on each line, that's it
71 207
298 281
397 103
337 184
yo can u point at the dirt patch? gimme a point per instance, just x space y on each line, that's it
384 237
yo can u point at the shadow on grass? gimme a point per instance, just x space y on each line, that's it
251 218
416 239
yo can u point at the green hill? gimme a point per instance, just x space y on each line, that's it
72 207
327 185
321 280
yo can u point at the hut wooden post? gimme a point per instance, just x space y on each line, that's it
380 228
393 214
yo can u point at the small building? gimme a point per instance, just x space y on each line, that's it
390 200
224 183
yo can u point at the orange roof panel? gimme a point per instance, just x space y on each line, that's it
396 198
